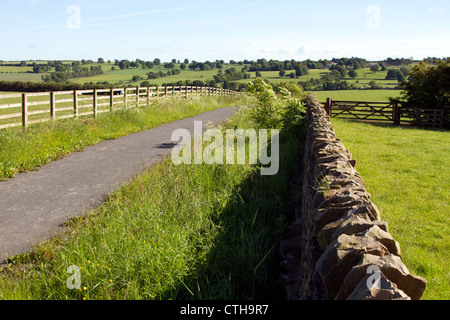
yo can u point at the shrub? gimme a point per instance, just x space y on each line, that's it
272 111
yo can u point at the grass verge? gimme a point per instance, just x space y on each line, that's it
24 150
174 232
406 171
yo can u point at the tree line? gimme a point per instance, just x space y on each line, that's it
78 72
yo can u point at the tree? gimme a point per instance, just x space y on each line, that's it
282 73
157 61
341 69
392 74
170 65
136 78
373 85
100 60
352 74
428 86
124 64
301 70
375 68
258 74
405 70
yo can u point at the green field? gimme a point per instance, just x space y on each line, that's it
357 95
126 75
406 172
117 76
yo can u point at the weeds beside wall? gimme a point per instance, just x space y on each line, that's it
338 247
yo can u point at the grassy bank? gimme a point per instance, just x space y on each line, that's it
406 171
23 150
174 232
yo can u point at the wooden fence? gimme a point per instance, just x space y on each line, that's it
23 109
385 111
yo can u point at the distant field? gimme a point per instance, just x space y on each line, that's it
126 75
117 76
21 77
357 95
4 69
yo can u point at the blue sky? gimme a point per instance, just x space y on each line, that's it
209 30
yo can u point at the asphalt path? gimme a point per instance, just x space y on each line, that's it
35 205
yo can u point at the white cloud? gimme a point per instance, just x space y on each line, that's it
136 14
436 10
304 49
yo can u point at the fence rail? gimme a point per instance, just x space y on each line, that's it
385 111
23 109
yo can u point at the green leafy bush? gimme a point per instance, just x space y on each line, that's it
273 111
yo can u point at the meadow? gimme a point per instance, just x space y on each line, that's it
357 95
406 172
117 76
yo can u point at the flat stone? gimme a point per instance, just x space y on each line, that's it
341 256
349 224
384 237
392 267
386 291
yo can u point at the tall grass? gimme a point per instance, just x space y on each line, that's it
23 150
174 232
406 172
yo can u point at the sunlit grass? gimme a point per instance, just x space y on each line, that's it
407 173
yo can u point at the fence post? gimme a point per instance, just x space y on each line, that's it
148 96
125 98
441 120
95 103
137 96
75 103
52 105
24 110
111 100
396 114
328 107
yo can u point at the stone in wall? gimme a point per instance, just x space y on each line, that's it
338 235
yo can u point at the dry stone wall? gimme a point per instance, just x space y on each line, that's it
338 247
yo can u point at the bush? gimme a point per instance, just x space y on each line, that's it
273 112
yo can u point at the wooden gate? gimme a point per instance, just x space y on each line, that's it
377 111
385 111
